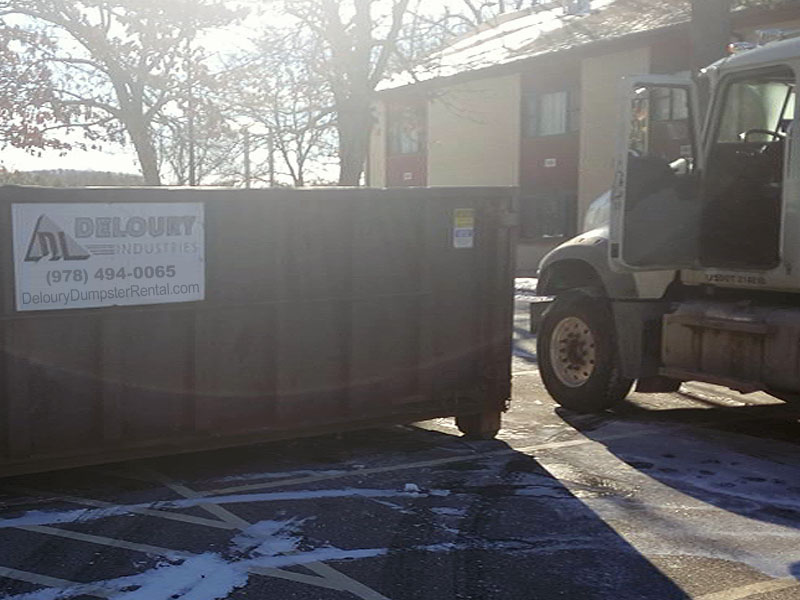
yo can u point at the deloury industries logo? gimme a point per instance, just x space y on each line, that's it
51 241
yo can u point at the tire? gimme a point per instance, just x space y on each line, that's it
480 426
577 353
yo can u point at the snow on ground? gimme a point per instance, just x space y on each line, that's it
525 288
708 494
668 491
38 517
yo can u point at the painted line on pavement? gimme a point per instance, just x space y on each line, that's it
85 589
149 512
312 580
434 462
329 578
107 541
338 583
216 510
753 589
348 584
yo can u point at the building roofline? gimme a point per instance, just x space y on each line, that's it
747 16
607 46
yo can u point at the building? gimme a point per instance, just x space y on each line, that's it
531 100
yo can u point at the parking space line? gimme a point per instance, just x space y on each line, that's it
434 462
348 584
106 541
313 580
329 577
85 589
747 591
635 431
221 513
159 514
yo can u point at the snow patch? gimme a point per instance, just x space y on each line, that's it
73 516
446 511
204 577
268 538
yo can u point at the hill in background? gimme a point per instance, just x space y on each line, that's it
69 178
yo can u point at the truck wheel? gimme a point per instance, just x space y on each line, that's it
577 353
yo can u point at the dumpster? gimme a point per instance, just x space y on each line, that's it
145 321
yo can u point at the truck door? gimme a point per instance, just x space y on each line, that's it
655 208
749 143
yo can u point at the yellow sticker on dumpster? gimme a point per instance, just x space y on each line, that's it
463 228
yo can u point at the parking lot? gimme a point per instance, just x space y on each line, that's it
687 495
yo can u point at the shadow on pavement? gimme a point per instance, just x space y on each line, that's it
523 345
753 473
409 512
508 529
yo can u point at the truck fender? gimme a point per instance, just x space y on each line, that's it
583 262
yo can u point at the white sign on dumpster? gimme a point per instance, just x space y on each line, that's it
121 254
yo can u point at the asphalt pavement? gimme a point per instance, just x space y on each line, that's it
688 495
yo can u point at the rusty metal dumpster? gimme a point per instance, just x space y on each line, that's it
138 322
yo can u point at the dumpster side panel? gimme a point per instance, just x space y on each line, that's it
324 310
51 384
149 365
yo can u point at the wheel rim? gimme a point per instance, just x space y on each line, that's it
572 352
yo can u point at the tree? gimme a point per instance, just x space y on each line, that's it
357 39
197 152
196 141
481 11
27 112
359 42
117 62
281 99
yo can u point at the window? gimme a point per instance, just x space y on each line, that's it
660 122
406 130
669 104
551 113
549 214
757 104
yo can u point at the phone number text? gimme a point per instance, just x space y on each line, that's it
58 276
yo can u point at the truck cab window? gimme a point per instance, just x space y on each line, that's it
744 177
660 205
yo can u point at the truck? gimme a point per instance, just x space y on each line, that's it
697 275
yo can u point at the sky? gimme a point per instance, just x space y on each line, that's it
116 159
112 158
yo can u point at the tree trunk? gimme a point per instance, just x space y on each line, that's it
353 126
145 152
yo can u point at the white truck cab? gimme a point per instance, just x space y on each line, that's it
697 276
